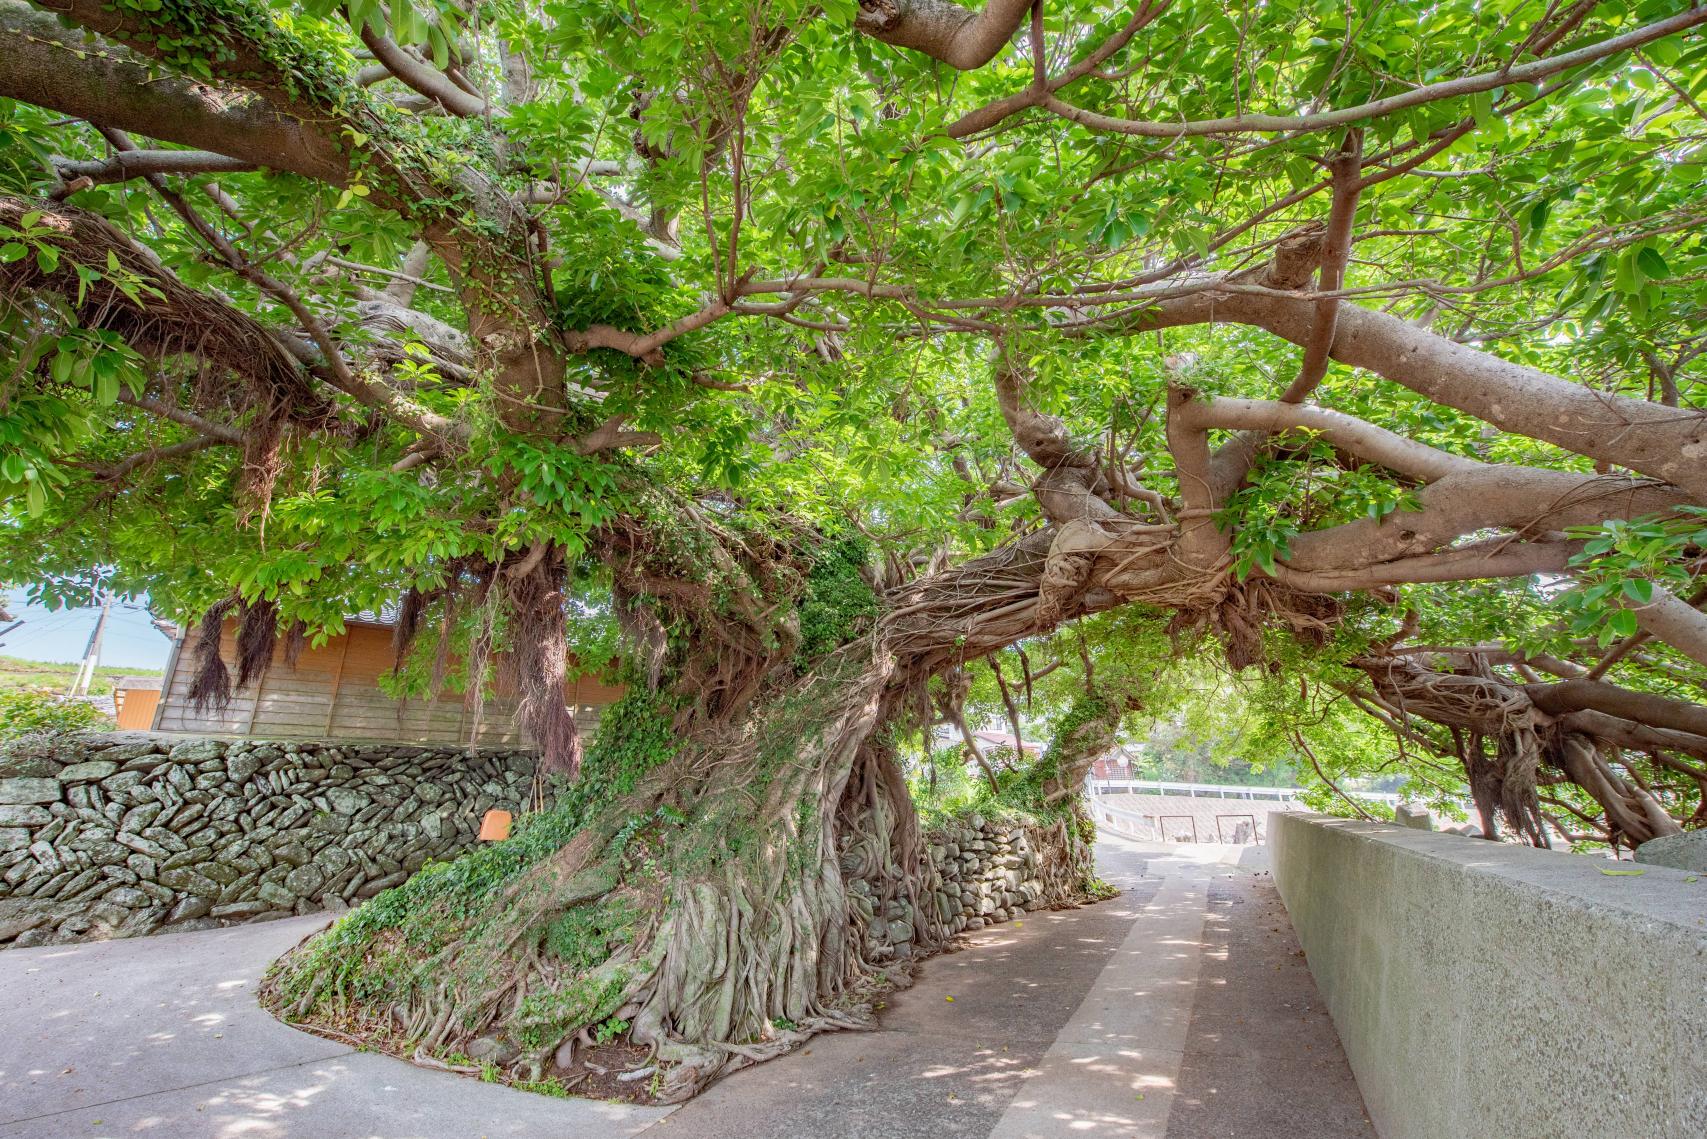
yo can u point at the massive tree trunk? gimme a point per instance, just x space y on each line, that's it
701 882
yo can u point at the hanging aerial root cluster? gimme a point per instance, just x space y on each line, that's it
682 577
152 311
1240 613
1510 748
257 636
1481 709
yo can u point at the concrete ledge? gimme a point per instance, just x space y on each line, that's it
1487 989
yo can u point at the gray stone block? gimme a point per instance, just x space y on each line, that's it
277 894
90 771
128 896
1686 851
1415 819
24 815
194 751
29 790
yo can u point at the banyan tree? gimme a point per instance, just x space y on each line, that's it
839 360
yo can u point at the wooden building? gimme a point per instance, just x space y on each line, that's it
135 700
334 692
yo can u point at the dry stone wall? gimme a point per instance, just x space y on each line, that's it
980 873
127 834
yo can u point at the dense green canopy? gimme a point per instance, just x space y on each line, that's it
1366 338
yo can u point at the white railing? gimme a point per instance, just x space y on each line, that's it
1101 786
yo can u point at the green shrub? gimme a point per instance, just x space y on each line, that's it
27 711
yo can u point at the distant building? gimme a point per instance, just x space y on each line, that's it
135 700
988 740
1116 763
333 692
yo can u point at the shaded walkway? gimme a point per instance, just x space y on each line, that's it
1179 1010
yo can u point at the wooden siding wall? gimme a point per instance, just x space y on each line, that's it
333 693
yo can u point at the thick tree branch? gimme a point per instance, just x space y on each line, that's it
416 73
959 37
1578 695
1671 619
1363 439
1661 442
1497 559
1202 545
47 65
1530 501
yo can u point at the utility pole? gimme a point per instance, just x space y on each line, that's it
92 654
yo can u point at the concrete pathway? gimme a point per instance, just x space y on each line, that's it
161 1036
1180 1010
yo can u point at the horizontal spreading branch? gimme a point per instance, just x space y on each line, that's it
129 164
1676 622
51 66
1363 439
1491 560
1529 501
1664 443
1532 72
1577 695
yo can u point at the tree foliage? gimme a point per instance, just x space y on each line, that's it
1356 347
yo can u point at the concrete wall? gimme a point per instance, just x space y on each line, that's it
127 834
1489 989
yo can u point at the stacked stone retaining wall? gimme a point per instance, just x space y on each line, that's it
128 834
980 873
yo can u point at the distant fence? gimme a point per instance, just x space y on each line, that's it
1218 791
1184 818
1485 988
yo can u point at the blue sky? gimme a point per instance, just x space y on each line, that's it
130 641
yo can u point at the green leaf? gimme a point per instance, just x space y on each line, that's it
1639 590
1649 260
1611 873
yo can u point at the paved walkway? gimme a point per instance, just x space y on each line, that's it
1180 1010
161 1037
